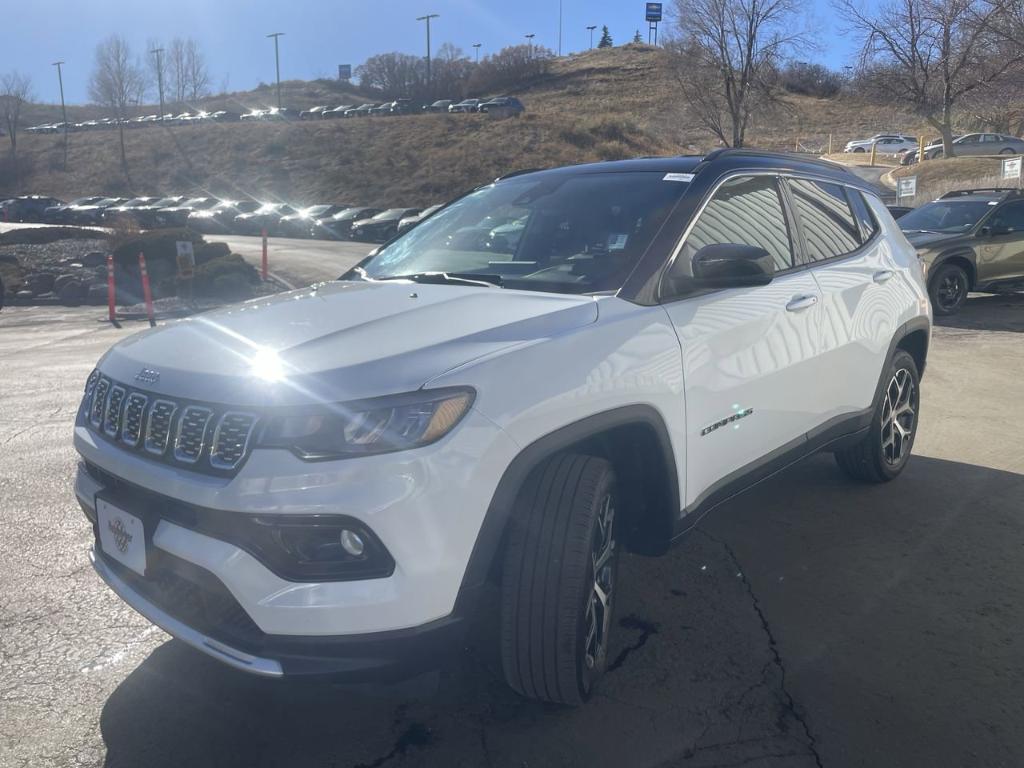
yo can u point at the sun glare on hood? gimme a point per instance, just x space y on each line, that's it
266 365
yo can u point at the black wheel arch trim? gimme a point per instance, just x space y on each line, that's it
967 255
499 511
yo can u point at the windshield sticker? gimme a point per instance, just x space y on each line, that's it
617 242
678 177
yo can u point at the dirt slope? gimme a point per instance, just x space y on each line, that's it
600 104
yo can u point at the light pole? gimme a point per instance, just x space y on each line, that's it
160 79
277 64
530 38
63 110
559 27
477 46
592 27
427 19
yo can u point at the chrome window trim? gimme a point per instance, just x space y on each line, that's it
793 223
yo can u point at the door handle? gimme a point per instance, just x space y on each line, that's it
883 275
802 302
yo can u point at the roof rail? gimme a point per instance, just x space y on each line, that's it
981 191
799 157
520 172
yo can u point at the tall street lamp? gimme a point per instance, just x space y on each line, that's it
530 38
63 110
477 46
159 79
559 27
427 19
592 27
277 64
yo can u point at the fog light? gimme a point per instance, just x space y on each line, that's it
352 542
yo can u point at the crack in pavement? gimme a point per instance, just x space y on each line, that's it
646 628
790 702
416 735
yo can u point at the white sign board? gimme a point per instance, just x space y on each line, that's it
906 187
1011 168
186 258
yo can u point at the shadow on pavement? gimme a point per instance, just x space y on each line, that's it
988 312
810 622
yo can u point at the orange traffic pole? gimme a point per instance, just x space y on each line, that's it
146 293
263 270
111 312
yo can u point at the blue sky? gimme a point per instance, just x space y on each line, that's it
319 34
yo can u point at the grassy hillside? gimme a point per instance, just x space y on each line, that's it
601 104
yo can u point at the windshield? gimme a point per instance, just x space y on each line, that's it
945 216
562 233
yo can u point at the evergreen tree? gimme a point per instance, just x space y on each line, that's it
606 38
637 38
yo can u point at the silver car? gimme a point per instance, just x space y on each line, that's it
973 144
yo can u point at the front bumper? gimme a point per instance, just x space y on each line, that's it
426 506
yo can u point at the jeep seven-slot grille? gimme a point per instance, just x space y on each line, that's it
202 437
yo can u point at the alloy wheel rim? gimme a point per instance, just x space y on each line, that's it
599 602
951 289
899 415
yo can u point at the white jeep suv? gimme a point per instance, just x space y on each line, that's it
553 368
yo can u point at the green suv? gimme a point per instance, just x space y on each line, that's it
968 240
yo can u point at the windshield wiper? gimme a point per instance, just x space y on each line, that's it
448 278
926 231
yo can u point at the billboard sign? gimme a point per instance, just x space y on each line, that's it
344 71
654 11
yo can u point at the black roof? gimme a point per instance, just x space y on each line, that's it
987 193
719 161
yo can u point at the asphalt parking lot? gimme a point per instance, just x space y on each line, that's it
807 623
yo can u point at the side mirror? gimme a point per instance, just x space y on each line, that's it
727 265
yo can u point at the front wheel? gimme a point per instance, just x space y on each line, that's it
948 288
558 580
859 149
884 451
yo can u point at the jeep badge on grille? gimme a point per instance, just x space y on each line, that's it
148 376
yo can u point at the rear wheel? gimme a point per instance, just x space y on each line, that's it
1006 151
884 451
948 288
558 581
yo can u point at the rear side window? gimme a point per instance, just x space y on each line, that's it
827 222
861 211
748 211
1009 218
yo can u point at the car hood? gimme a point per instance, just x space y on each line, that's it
929 240
340 341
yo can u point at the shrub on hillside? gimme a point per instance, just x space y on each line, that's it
161 251
229 278
510 68
44 235
810 79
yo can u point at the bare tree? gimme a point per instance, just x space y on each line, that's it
936 54
177 70
15 90
197 76
726 55
116 82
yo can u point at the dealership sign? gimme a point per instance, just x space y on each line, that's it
907 187
344 71
186 259
1011 168
654 11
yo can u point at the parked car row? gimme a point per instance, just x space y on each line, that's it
969 144
498 106
209 215
106 123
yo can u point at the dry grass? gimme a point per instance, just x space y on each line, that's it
936 177
596 105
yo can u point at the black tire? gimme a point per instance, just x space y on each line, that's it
1006 151
948 287
548 583
874 458
859 149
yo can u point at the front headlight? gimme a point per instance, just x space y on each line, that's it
367 427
